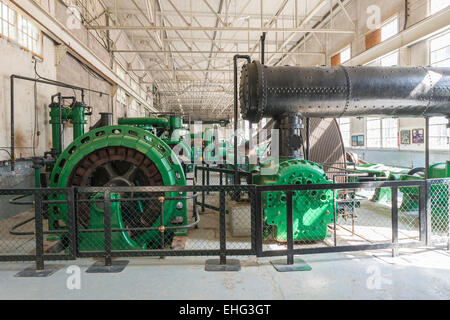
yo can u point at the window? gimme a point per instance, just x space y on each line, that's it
382 133
346 54
29 35
120 73
342 56
388 60
121 96
7 21
344 126
438 133
18 28
389 133
134 86
134 105
440 51
374 132
438 5
389 29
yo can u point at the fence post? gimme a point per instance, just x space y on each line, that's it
207 177
39 231
422 212
258 222
428 212
223 230
73 245
162 226
334 218
394 192
289 228
108 235
203 191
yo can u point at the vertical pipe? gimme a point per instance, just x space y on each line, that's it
37 177
289 228
235 60
263 40
394 192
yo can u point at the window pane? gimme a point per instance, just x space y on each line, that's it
344 126
390 29
346 55
373 133
390 60
438 5
390 133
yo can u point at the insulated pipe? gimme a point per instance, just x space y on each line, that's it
163 122
333 92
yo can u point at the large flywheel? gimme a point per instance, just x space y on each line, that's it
121 156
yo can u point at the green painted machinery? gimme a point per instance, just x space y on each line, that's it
167 129
128 154
312 209
438 197
120 156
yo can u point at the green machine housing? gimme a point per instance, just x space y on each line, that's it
116 156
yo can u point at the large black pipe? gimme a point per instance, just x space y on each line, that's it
330 92
237 179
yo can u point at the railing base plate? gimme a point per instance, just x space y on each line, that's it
230 265
116 267
31 271
282 266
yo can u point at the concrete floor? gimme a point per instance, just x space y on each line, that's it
415 274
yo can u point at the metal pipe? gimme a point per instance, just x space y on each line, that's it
49 82
333 92
144 121
263 40
236 115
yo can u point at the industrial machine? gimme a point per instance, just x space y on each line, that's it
169 129
291 95
127 154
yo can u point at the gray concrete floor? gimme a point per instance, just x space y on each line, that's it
415 274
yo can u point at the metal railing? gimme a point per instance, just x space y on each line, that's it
422 218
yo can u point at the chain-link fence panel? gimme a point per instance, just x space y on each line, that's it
312 219
439 207
36 224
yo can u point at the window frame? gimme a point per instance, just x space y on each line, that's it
431 8
385 23
349 124
443 34
446 136
15 26
381 134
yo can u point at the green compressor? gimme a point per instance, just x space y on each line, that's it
116 156
167 129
